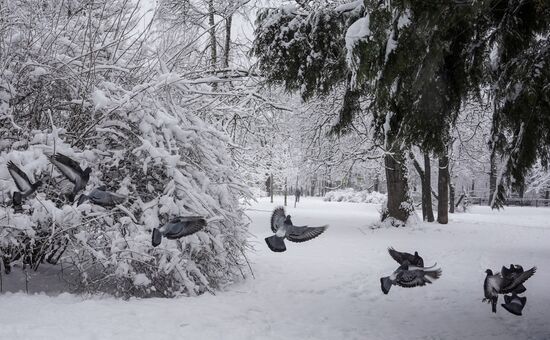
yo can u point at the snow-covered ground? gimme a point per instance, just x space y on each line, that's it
327 288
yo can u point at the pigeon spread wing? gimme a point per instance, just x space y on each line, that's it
509 285
302 234
19 177
68 167
415 278
277 219
396 255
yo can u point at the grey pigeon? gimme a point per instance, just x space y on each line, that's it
23 183
72 170
178 228
514 303
511 274
282 226
495 284
102 197
409 276
401 257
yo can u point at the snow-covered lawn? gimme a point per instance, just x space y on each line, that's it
328 288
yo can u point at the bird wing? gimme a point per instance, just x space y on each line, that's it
19 177
181 229
415 278
509 285
277 219
397 255
68 167
302 234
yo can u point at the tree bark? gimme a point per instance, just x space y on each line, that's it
271 183
427 192
227 43
398 205
492 177
377 183
451 198
213 41
443 190
426 179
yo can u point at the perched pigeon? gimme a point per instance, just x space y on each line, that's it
409 276
72 170
282 226
102 197
177 228
25 186
497 284
511 274
514 304
414 260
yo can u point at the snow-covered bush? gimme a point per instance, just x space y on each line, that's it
78 79
350 195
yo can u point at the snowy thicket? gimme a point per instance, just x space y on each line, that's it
82 80
350 195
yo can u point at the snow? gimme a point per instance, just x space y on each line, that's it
358 31
327 288
350 195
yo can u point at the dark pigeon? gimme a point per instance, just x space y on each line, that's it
23 183
178 228
282 226
102 197
514 303
497 284
408 276
401 257
72 170
511 274
17 202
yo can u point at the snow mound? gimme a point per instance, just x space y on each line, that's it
350 195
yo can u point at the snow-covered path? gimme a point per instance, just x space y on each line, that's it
329 288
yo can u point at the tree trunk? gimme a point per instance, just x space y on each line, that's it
443 190
213 41
399 203
427 189
271 183
451 198
286 193
227 43
377 183
492 177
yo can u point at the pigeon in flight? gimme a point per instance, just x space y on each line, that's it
401 257
514 303
282 226
409 276
25 186
178 228
102 197
511 274
497 284
72 170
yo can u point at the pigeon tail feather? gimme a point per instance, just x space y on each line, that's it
385 284
156 237
275 243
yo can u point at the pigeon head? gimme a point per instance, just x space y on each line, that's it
489 272
37 184
87 171
288 220
416 254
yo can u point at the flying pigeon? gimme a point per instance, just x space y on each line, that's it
497 284
282 226
102 197
178 228
72 170
514 304
25 186
17 202
414 260
409 276
511 274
